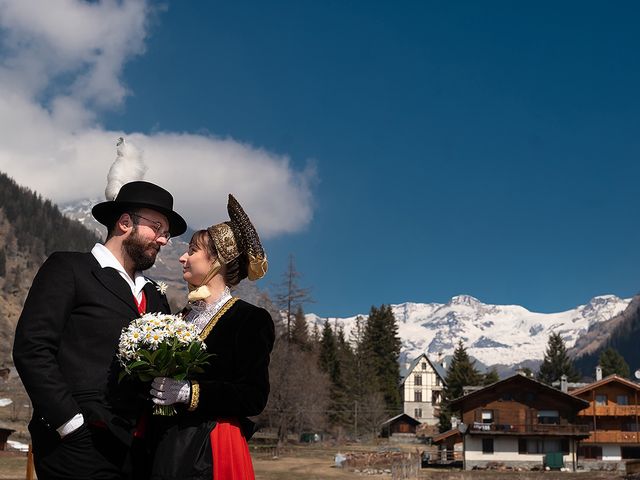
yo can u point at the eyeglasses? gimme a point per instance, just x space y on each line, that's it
156 227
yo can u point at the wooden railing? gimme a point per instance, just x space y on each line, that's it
600 436
611 410
529 428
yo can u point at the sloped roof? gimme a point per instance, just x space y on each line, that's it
435 365
609 379
397 417
519 377
445 435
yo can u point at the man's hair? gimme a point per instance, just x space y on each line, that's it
111 230
235 271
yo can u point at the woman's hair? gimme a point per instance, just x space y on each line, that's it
234 271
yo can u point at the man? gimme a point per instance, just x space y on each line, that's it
84 421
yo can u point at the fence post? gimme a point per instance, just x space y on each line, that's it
30 465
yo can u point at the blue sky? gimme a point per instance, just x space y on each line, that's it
438 148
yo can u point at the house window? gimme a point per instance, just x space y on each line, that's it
622 400
417 396
417 413
417 379
522 446
548 417
438 382
629 452
435 398
590 451
487 445
424 365
487 416
506 397
601 399
538 445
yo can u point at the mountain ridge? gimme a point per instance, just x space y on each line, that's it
506 335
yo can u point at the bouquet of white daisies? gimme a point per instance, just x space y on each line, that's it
161 345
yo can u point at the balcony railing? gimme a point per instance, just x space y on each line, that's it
611 410
613 437
553 429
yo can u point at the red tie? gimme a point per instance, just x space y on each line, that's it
142 304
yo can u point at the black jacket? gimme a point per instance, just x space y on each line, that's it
67 337
235 384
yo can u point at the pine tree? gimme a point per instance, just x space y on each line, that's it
381 345
315 336
330 361
556 362
3 263
328 358
363 391
491 377
342 402
462 372
613 363
300 330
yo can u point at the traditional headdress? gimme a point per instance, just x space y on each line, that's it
232 239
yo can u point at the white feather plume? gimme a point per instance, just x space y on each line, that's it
128 167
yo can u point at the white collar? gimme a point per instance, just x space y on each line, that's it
106 259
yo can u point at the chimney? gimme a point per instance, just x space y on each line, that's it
598 373
564 388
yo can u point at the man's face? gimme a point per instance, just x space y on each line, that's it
144 242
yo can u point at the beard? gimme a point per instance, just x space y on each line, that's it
142 253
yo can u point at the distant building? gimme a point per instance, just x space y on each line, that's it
421 389
402 425
612 419
519 422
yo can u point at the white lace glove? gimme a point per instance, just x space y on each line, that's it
167 391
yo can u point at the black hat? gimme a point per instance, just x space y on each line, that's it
140 195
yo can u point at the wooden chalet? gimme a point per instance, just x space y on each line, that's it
520 422
612 420
449 446
400 425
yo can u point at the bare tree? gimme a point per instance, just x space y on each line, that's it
290 295
373 413
299 391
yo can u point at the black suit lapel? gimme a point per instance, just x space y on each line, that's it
112 281
154 301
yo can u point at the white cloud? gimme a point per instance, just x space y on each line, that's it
51 141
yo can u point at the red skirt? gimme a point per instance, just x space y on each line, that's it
231 459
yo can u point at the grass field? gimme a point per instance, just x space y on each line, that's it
317 463
297 464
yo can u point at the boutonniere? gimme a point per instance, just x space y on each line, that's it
162 287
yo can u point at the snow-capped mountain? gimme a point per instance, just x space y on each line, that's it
493 334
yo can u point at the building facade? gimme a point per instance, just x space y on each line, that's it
612 420
421 389
520 422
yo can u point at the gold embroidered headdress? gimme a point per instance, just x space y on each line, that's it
236 237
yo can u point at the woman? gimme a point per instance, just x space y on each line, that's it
208 437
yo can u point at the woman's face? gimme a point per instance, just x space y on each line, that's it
196 263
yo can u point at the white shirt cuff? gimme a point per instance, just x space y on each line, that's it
72 425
